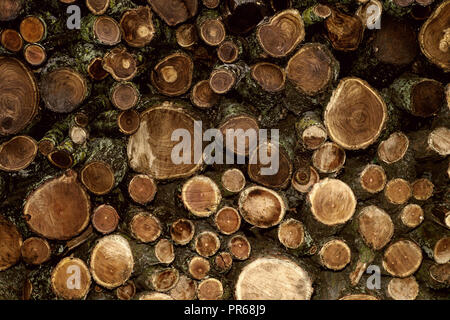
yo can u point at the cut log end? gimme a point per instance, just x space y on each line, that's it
228 52
304 179
335 255
291 234
128 121
329 158
397 191
127 291
203 96
222 80
71 279
145 227
111 261
10 9
35 251
394 148
164 251
177 12
358 297
124 96
154 296
434 35
240 145
35 54
314 136
421 13
227 220
199 268
412 215
395 43
95 69
10 244
185 289
261 207
64 197
441 250
355 115
233 180
439 141
244 16
270 77
164 280
186 35
344 31
142 189
440 273
373 178
137 27
311 68
18 96
282 33
239 247
211 4
272 278
61 159
182 231
426 98
332 202
223 262
63 90
17 153
172 76
120 64
375 227
105 219
11 40
403 288
81 119
422 189
207 244
212 32
210 289
97 7
107 31
97 177
45 147
201 196
447 219
270 178
402 258
32 29
78 135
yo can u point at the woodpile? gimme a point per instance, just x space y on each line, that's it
100 200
